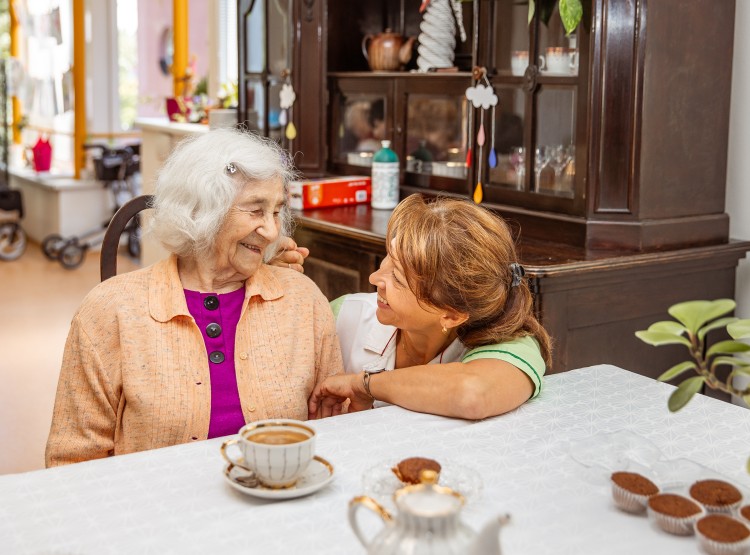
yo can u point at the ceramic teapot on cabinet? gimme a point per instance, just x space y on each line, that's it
387 51
427 523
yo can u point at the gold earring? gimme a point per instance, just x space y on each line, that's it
445 331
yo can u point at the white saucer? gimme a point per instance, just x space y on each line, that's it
317 476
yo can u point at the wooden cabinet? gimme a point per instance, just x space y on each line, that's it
610 154
618 151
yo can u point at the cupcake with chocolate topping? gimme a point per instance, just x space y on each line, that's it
409 470
674 513
721 534
631 491
744 513
717 496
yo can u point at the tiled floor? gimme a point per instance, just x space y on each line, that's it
38 298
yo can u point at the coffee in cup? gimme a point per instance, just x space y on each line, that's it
277 451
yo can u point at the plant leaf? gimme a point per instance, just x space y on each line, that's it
739 329
728 347
658 338
571 12
532 9
731 361
676 370
668 326
693 314
684 393
716 324
545 9
743 369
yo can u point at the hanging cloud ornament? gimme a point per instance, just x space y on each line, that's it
287 96
481 96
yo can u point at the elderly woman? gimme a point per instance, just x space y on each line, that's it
451 329
198 344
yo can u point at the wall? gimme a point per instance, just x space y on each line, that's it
738 163
153 17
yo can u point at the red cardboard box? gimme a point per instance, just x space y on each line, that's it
330 191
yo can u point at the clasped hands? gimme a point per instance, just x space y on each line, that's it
330 396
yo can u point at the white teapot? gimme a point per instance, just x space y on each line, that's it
427 523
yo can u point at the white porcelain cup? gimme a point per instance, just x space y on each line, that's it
278 451
558 60
519 61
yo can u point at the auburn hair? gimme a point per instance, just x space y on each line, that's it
457 255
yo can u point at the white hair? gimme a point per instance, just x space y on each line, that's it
196 187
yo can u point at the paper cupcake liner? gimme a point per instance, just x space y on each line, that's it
721 509
629 501
712 547
680 526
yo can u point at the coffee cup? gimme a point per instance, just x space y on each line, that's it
557 60
277 451
519 61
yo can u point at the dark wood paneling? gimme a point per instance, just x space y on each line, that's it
615 146
308 77
685 114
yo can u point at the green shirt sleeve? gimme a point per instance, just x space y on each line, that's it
336 306
522 352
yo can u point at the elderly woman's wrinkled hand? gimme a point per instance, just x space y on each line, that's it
289 255
329 396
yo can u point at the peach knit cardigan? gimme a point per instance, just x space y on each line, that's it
135 371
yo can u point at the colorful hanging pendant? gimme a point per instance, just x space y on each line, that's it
287 96
481 97
493 154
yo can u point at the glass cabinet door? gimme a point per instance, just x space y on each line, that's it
435 135
538 116
265 61
361 117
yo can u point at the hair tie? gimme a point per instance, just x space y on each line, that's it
231 168
517 272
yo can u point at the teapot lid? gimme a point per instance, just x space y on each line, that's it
427 498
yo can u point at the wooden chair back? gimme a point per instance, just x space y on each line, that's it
116 227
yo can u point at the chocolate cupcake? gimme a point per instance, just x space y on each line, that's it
720 534
716 496
744 513
631 491
674 513
408 470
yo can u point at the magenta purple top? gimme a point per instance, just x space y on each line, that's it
217 317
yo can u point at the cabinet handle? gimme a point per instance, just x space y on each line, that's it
399 130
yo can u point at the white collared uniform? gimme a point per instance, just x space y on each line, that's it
366 344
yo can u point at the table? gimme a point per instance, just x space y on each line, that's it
175 500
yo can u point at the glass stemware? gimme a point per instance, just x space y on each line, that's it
560 157
518 161
541 159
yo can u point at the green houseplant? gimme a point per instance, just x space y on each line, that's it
694 320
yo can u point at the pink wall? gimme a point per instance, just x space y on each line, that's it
153 17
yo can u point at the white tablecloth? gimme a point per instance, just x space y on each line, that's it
175 500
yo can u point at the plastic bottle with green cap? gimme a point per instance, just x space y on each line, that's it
385 178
